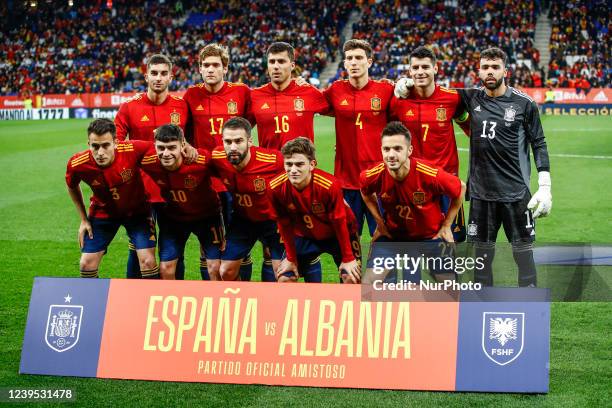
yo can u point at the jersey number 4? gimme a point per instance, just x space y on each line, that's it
491 132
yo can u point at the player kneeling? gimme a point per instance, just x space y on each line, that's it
111 170
191 204
312 216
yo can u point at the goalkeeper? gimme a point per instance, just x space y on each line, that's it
504 123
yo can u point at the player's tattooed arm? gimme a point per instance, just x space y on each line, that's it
445 231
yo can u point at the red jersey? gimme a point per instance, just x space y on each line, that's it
139 117
361 116
284 115
318 212
209 111
249 185
411 206
187 190
118 190
430 121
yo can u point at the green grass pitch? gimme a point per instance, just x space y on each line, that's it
38 227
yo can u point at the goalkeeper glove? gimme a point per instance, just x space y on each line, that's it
402 87
541 202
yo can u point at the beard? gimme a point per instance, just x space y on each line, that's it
236 160
493 86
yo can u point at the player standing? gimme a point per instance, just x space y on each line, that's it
246 170
409 191
111 170
312 217
428 114
192 206
284 108
141 115
360 107
504 123
211 103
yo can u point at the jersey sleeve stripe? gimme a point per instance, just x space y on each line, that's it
265 160
81 160
427 172
323 179
375 170
278 181
325 186
266 155
424 166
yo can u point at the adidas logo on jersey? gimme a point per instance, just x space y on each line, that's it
199 107
265 106
477 108
410 113
344 103
144 118
95 183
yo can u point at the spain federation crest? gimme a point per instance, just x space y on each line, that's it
509 114
375 104
232 108
190 182
418 197
503 335
63 326
175 118
298 104
259 184
126 175
441 114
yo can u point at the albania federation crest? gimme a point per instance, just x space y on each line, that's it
63 326
503 335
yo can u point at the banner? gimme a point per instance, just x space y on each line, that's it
34 114
595 96
320 335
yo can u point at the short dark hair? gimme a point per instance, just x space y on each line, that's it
494 53
159 59
423 52
278 47
299 145
238 122
355 44
102 126
169 133
396 128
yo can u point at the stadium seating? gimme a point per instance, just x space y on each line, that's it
580 44
458 29
53 48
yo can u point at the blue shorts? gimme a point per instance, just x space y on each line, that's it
173 236
140 230
458 226
309 249
430 253
242 235
355 201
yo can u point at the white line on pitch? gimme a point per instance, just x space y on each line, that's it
574 156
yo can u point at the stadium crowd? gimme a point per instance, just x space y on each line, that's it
54 48
580 44
458 29
60 49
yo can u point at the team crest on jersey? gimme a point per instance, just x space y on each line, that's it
375 103
190 182
63 326
259 184
418 197
318 208
126 175
232 108
509 114
298 104
175 118
441 114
